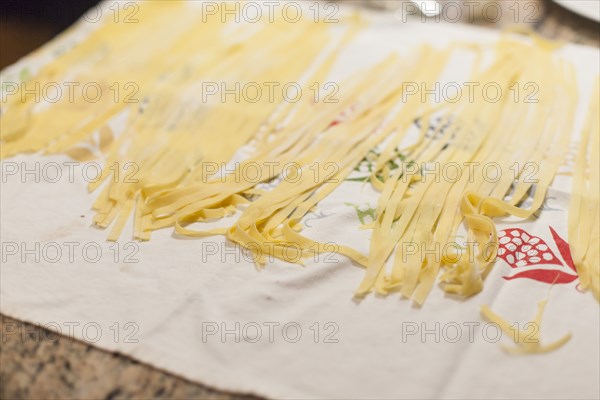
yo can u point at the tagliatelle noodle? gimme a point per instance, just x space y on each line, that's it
176 144
104 54
223 189
490 206
431 221
528 339
406 215
166 112
584 210
345 155
495 206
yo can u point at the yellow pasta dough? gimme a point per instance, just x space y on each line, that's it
174 133
528 338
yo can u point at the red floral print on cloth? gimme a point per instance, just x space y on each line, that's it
528 253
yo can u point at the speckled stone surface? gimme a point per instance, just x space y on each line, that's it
558 23
40 365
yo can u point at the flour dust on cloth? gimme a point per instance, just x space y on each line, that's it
200 309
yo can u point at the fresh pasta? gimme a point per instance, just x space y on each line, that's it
175 133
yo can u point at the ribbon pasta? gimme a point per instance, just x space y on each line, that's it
174 133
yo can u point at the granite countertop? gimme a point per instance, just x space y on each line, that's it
36 364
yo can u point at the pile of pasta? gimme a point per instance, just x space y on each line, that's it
173 133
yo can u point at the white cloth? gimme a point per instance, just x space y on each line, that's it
179 292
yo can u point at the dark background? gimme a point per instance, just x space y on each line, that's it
26 25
